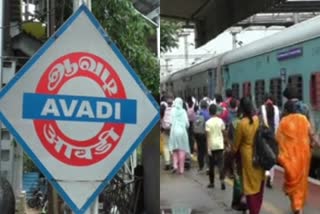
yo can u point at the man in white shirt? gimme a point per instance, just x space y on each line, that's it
215 142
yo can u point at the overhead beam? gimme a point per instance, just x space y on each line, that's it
221 14
212 17
154 14
267 20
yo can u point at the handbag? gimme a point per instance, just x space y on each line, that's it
266 150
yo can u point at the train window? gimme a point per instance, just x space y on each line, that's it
259 92
315 90
205 91
235 90
296 81
189 92
194 92
199 94
246 89
276 90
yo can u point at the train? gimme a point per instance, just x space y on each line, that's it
291 56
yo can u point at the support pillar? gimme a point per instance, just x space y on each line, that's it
151 164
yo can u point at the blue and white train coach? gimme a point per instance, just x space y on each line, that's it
291 56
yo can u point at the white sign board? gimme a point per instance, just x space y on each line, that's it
78 109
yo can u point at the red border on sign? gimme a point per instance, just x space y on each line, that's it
62 70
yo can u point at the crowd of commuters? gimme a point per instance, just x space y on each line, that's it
221 133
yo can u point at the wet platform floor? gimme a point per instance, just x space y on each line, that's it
188 194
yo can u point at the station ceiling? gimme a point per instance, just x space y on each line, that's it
212 17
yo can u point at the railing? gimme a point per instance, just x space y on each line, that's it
121 197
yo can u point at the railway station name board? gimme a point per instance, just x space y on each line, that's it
291 53
78 110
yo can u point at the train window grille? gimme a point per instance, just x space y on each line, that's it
296 82
276 90
315 90
235 90
189 91
205 91
199 93
259 92
246 89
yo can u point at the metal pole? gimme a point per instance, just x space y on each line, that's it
78 3
52 17
26 9
186 52
296 18
167 65
1 69
94 209
158 37
234 40
48 19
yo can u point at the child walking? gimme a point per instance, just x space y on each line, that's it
214 130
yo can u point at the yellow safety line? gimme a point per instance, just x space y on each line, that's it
266 205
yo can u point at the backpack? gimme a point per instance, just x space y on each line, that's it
265 148
191 112
166 120
199 124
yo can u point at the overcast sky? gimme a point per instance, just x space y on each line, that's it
220 44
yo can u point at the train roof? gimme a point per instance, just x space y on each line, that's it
165 78
197 68
300 32
295 34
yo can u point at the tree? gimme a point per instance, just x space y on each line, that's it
127 29
130 32
169 31
28 165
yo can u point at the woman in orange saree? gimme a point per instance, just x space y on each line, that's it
294 155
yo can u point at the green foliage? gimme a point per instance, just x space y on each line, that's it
14 143
128 29
130 32
169 34
28 165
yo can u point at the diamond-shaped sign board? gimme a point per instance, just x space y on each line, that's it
78 109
